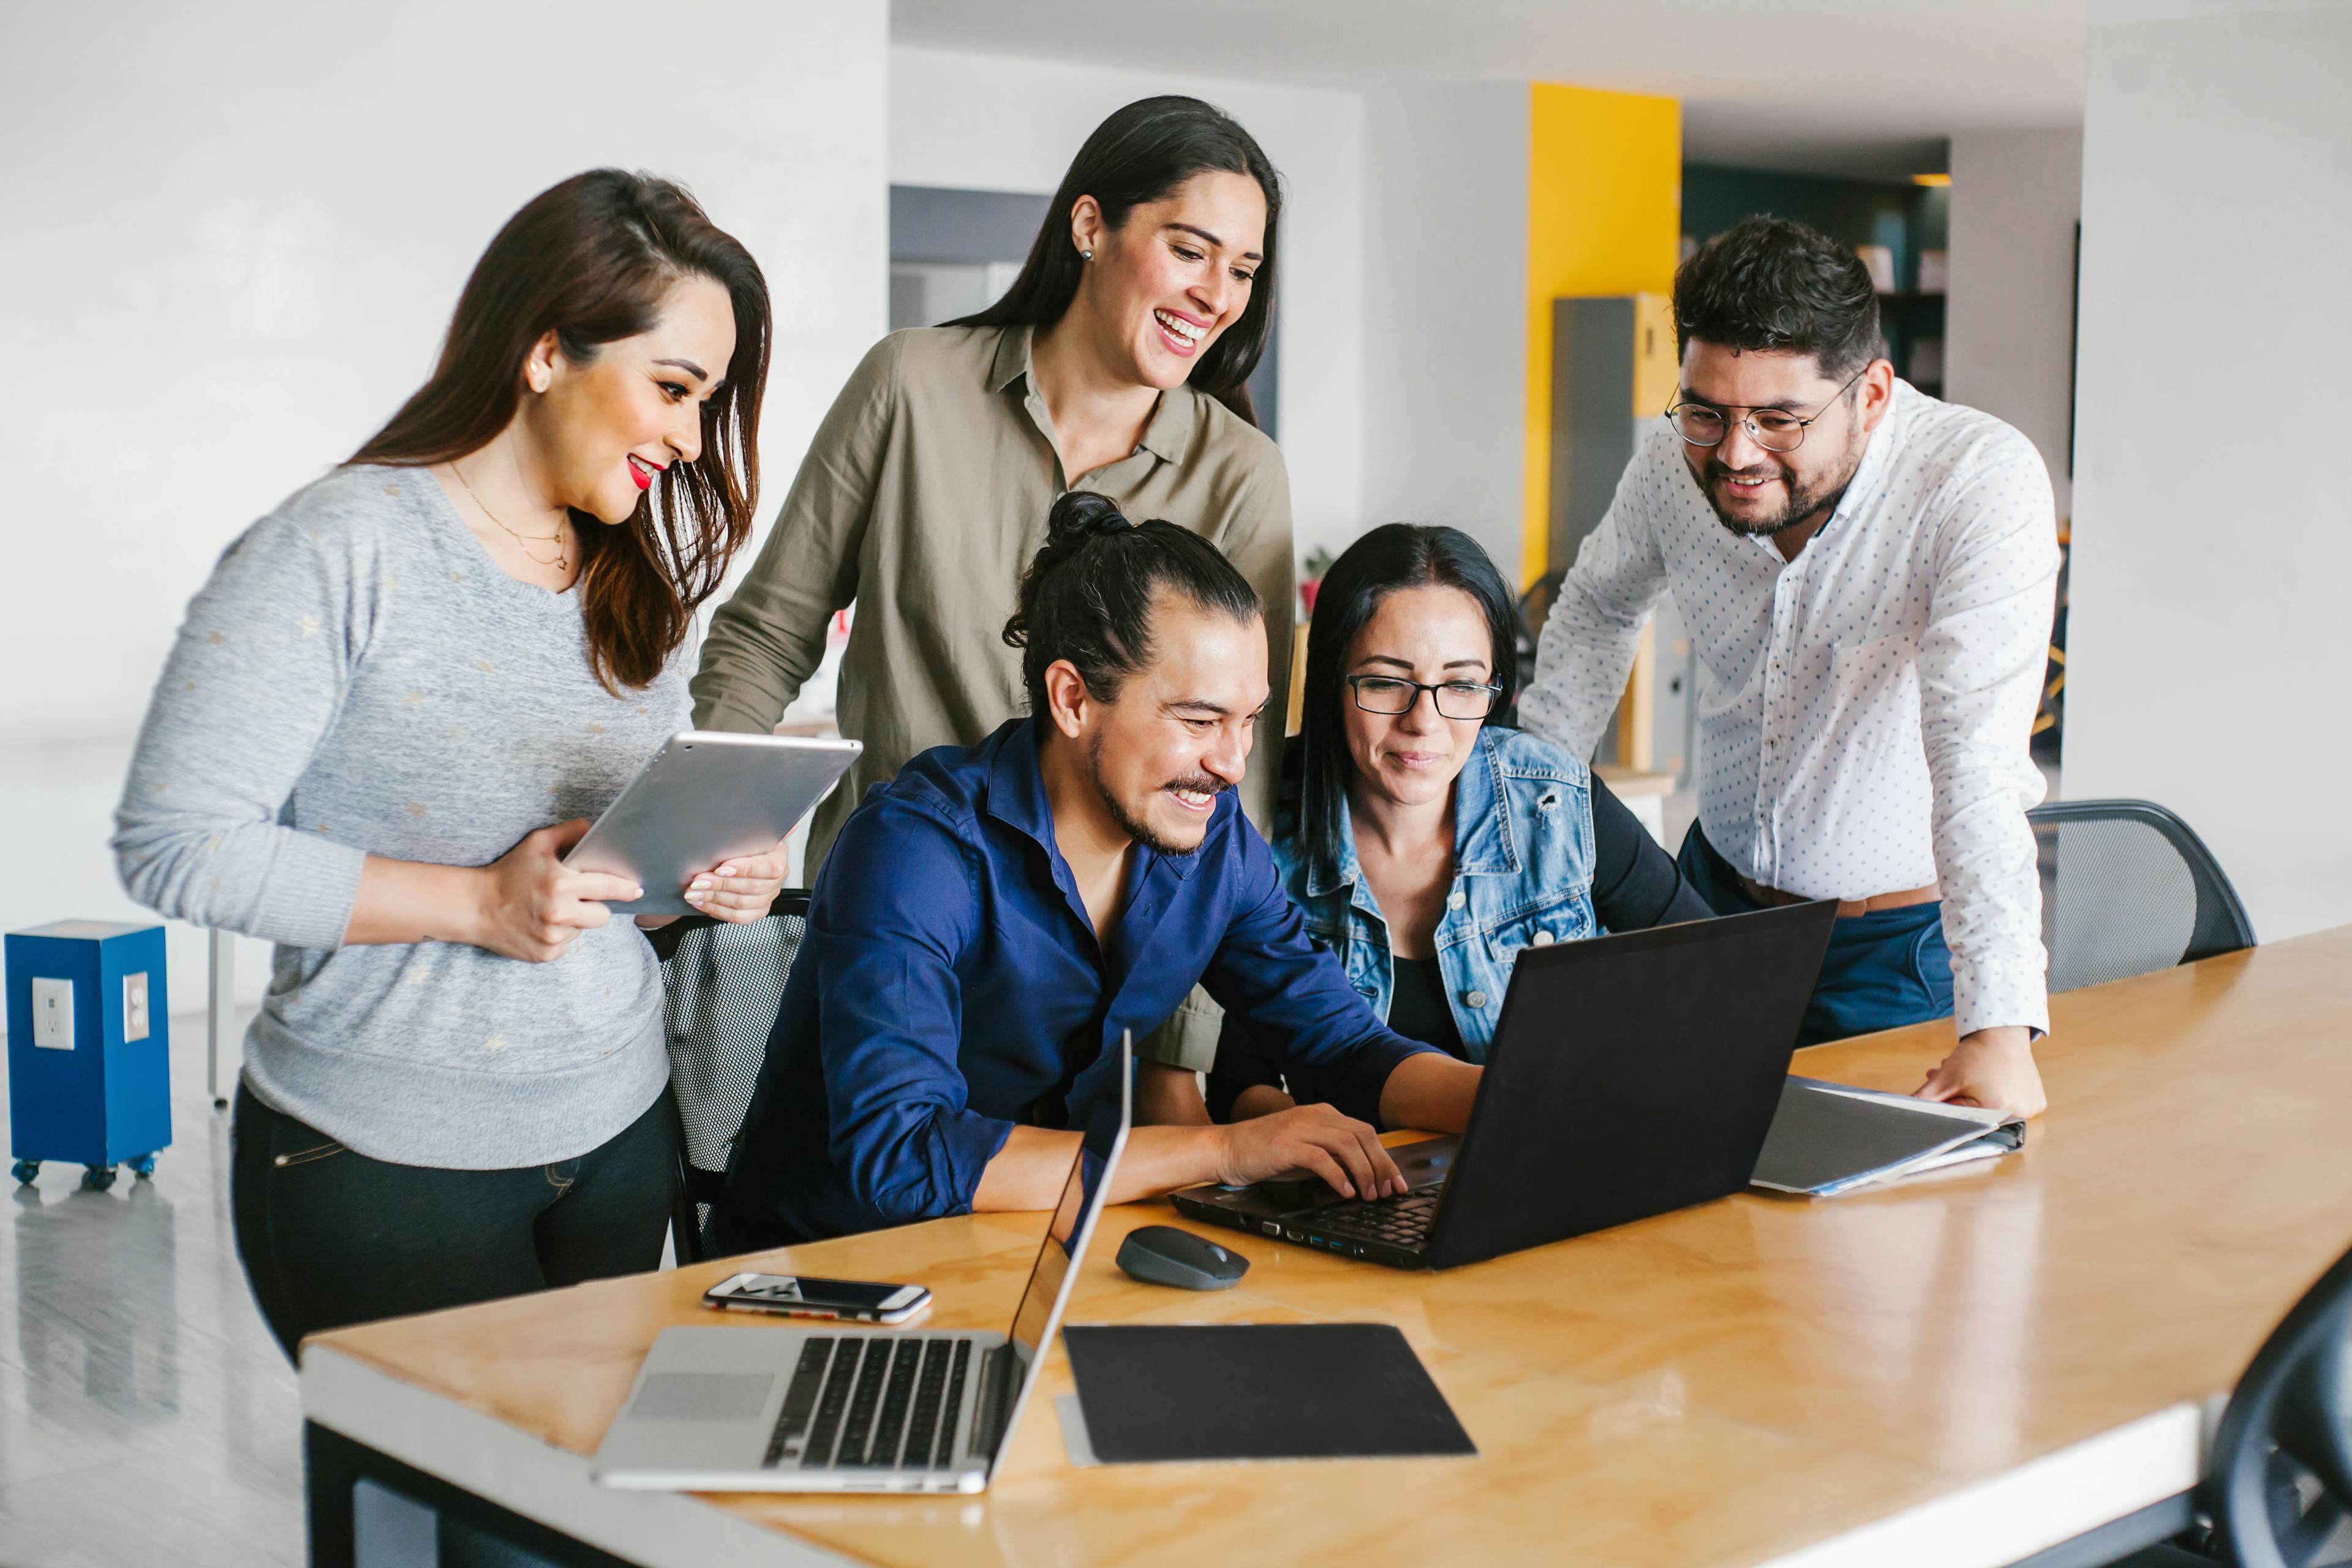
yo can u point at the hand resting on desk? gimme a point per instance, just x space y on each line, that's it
1992 1067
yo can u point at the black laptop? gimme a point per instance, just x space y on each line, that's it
1629 1076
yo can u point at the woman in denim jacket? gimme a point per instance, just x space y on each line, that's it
1426 841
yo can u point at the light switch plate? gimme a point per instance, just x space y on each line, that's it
53 1027
135 1006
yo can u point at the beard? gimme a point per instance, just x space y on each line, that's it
1143 832
1805 499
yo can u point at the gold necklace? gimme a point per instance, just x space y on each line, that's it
563 562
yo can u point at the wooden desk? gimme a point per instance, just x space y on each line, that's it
1963 1370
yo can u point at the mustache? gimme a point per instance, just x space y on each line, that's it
1198 783
1717 468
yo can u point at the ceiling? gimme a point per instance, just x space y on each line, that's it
1853 87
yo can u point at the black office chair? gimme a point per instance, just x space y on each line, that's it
724 983
2127 888
2278 1486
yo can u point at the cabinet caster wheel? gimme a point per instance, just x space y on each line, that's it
98 1178
24 1171
143 1166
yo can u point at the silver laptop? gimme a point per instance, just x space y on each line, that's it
756 1407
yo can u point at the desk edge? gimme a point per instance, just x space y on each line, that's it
2007 1518
505 1464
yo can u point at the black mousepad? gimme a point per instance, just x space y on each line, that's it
1257 1391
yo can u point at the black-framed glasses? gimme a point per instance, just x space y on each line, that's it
1394 694
1774 430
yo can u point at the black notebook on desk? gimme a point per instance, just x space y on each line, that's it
1257 1391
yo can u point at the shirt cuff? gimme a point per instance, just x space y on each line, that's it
1354 1083
1987 997
310 891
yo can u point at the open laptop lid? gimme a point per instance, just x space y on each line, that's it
1630 1074
1039 1314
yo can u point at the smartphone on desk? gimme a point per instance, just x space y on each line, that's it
805 1296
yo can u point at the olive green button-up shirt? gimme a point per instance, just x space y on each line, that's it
923 498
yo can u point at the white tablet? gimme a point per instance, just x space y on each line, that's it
704 797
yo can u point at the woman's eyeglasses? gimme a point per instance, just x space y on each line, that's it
1455 699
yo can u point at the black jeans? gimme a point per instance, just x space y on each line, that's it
331 1238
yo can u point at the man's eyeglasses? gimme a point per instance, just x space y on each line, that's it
1455 699
1774 430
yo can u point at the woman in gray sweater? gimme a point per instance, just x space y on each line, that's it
396 704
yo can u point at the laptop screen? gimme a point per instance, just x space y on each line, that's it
1082 1192
1053 1265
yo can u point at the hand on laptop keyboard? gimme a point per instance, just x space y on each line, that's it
1343 1150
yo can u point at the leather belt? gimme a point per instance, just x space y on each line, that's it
1847 907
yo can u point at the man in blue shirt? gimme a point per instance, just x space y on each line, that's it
991 918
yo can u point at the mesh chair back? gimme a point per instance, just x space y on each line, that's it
724 984
2128 889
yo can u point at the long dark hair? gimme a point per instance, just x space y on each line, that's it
591 260
1088 596
1141 153
1397 555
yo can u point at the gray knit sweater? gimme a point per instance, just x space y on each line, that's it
359 677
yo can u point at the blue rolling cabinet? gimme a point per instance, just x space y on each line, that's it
88 1070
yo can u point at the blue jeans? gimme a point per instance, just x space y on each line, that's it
1882 970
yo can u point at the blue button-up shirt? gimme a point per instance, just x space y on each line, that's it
950 987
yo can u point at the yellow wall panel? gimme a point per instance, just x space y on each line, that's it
1604 216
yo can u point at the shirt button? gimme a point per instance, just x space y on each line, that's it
1456 899
1477 998
1541 939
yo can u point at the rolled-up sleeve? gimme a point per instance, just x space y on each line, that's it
1594 626
888 923
1295 999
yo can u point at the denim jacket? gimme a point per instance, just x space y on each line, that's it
1523 858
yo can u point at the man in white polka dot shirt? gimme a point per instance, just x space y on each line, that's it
1868 576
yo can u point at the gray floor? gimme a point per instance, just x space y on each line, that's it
146 1417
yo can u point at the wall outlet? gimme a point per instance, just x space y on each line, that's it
53 1027
135 1006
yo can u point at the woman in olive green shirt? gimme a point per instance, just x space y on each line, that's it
1117 362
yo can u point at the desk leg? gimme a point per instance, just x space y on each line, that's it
333 1465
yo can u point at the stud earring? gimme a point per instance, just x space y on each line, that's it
1085 255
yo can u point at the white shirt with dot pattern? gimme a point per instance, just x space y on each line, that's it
1864 710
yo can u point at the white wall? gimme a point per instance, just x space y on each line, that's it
2010 314
2213 532
235 234
1446 301
975 123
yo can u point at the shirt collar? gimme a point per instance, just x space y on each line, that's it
1482 824
1017 797
1168 434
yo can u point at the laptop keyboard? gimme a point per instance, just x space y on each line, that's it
872 1403
1400 1221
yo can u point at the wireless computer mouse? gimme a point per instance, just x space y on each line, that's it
1163 1255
